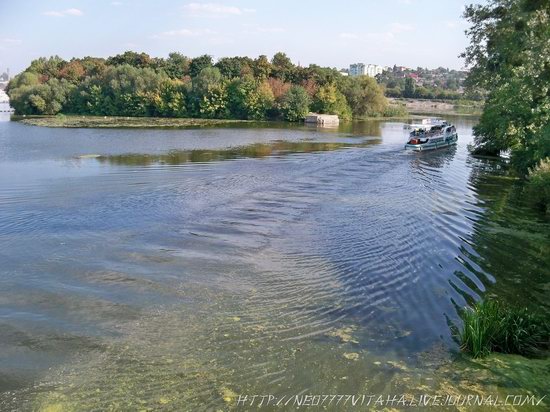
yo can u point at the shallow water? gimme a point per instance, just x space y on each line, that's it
179 268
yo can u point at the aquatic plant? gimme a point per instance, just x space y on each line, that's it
489 326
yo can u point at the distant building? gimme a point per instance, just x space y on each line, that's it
344 72
361 69
374 69
357 69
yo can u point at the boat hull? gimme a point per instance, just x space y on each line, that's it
421 147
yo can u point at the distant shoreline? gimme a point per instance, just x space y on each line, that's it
436 106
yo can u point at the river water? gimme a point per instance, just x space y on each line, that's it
179 269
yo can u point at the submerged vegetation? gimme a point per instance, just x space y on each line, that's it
138 85
121 122
509 56
492 327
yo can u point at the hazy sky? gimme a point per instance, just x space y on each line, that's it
427 33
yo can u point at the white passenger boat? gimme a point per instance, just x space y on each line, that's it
431 134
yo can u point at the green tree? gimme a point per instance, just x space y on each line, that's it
232 67
170 100
509 57
249 99
364 96
93 66
177 65
33 97
199 63
410 87
262 68
138 60
295 104
47 67
283 68
209 97
329 99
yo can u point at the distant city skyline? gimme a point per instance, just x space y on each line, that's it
410 33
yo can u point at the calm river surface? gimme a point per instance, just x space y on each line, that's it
177 269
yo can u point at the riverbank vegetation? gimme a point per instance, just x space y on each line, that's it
509 57
138 85
489 326
121 122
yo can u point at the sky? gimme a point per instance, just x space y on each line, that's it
412 33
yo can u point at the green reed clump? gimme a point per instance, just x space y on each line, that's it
492 327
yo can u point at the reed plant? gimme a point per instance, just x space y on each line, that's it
489 326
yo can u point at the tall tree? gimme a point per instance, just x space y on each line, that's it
262 67
295 104
509 57
282 66
200 63
177 65
410 87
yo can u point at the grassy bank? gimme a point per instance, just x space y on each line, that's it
121 122
493 327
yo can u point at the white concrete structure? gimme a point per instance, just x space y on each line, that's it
323 119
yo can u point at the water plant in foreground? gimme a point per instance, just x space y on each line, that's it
489 326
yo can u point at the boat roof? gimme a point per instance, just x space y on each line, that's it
433 120
428 123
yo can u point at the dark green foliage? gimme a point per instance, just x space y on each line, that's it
283 68
295 104
140 60
262 68
492 327
200 63
232 67
177 65
509 55
135 84
30 96
410 88
364 96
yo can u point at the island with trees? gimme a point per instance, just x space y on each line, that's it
138 85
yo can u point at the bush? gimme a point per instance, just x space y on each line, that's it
538 186
395 110
491 327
